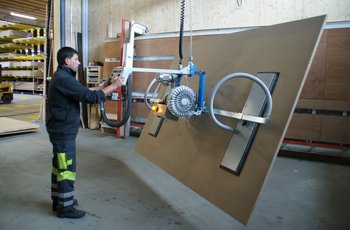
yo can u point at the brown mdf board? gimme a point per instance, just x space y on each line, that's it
12 126
191 150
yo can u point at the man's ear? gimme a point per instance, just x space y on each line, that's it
66 61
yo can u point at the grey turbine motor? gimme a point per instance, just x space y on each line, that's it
182 101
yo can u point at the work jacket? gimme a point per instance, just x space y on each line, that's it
64 95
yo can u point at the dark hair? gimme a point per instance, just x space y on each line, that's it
65 52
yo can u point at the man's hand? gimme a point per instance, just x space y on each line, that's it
117 82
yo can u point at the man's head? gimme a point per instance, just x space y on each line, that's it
68 56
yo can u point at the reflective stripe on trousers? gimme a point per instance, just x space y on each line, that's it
63 172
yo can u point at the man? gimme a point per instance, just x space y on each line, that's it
62 125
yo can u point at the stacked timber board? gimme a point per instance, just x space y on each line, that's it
11 126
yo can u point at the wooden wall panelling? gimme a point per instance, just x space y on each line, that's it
140 81
111 107
111 49
305 127
139 112
339 105
191 149
337 82
332 63
107 69
152 47
325 128
309 104
314 84
336 129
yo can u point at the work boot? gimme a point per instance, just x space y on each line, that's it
71 213
55 204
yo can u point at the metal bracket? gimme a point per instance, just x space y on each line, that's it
246 129
155 126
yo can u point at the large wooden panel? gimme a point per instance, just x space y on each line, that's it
191 149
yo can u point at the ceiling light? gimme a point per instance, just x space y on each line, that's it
22 16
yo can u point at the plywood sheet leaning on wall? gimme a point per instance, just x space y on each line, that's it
191 150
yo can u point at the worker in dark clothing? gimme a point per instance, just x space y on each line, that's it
62 125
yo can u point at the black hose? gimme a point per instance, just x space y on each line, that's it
127 111
182 18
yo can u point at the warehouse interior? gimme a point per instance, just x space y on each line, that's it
189 141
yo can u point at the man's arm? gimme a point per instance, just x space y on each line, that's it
108 89
112 87
100 86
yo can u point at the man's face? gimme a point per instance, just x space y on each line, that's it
73 63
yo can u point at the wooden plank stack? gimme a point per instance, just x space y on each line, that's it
10 126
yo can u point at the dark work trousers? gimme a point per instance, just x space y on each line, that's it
63 172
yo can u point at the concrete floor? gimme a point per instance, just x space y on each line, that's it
24 107
120 189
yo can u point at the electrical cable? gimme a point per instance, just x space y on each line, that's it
191 12
182 19
127 111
